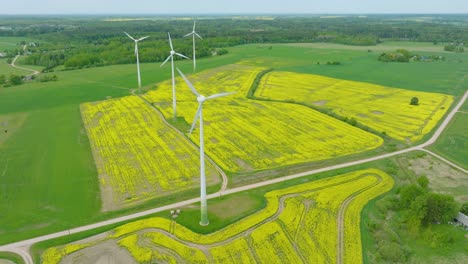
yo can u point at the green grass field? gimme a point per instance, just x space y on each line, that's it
7 70
453 142
12 43
49 180
447 77
8 256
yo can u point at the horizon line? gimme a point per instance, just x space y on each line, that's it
229 14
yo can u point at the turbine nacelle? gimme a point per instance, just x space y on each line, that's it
172 52
201 99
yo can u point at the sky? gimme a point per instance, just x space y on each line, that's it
230 6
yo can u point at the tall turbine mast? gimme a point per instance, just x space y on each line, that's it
199 115
193 34
171 57
137 58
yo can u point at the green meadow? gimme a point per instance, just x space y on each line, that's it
49 180
12 43
7 70
453 142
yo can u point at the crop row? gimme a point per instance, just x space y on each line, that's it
245 135
138 156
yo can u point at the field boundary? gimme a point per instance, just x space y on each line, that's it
325 111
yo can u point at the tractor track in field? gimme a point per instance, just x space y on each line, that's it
22 247
205 248
340 253
225 180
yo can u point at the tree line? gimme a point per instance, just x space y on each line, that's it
93 41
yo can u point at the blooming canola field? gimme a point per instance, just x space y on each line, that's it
298 225
243 135
384 109
138 156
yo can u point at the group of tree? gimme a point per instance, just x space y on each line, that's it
413 213
12 80
458 48
48 78
401 55
423 208
94 41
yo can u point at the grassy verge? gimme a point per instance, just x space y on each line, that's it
452 142
11 257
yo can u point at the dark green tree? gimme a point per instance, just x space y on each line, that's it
408 194
464 208
441 208
414 101
16 79
423 181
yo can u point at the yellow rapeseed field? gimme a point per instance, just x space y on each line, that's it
138 157
381 108
299 224
244 135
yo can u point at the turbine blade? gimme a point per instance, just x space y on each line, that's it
168 58
188 34
194 91
219 95
198 36
194 26
140 39
170 40
129 36
183 56
136 48
195 118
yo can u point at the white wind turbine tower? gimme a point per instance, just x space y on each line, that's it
171 57
193 34
201 99
137 58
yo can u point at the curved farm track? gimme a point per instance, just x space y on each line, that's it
205 248
13 64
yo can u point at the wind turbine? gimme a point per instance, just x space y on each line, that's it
201 99
193 33
138 60
171 57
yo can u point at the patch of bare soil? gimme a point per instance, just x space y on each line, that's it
375 112
107 252
247 167
320 103
442 177
107 197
